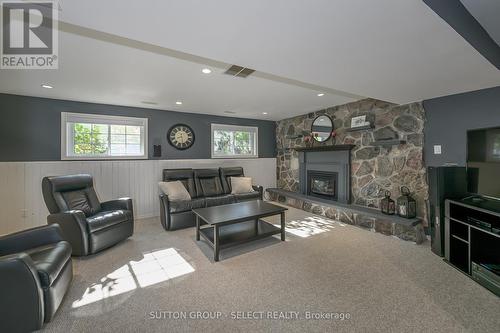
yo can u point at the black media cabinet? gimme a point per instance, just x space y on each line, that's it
472 239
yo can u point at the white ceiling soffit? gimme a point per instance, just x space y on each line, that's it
487 13
394 50
92 70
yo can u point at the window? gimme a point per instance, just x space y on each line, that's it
493 145
229 141
89 136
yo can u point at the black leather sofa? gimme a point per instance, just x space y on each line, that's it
35 273
207 188
89 225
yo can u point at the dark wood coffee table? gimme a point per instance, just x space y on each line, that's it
237 223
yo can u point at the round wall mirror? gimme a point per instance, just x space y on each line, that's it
322 128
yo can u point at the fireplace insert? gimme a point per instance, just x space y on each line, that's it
322 184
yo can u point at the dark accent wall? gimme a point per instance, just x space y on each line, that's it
449 118
30 128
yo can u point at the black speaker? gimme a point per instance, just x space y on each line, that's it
156 150
447 182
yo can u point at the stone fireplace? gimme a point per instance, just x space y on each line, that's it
325 172
382 158
367 163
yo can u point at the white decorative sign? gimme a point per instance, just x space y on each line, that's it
359 121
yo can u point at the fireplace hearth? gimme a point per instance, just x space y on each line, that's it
322 184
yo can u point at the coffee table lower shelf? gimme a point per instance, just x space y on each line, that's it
234 234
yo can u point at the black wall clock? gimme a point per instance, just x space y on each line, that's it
180 136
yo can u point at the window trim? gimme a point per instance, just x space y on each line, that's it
234 128
95 118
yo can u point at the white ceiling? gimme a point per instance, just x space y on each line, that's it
394 50
94 71
487 13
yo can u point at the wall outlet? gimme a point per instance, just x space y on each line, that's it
24 213
437 149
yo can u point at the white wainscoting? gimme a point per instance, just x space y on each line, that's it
22 204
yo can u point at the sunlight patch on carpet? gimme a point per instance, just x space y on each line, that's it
155 267
310 226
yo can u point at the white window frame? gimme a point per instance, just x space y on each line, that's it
254 129
68 118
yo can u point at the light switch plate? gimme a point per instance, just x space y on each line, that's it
437 149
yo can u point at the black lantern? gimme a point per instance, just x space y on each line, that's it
387 205
407 206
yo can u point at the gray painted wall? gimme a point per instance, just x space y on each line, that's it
449 118
30 128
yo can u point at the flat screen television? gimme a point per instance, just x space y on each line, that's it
483 162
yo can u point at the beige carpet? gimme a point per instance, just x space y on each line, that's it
381 283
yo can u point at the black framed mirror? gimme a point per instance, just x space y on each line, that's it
321 129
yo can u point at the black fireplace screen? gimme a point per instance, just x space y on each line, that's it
322 184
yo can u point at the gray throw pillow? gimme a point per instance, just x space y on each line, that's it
175 190
240 185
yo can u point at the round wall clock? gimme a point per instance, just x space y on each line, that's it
180 136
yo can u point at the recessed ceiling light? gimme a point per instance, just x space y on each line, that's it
320 94
206 70
47 86
178 103
264 112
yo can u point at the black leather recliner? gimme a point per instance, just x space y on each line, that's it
89 225
209 185
35 273
177 214
207 188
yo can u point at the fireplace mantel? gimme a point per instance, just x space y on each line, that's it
326 148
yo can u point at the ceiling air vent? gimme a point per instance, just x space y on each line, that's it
239 71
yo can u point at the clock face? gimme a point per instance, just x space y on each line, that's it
180 136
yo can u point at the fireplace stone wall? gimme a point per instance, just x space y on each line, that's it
374 167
